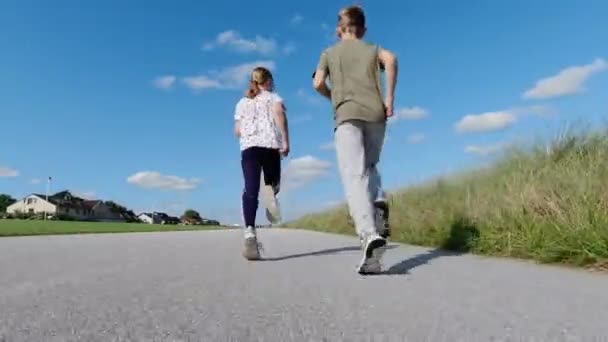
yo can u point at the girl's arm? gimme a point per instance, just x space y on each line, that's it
280 119
237 128
237 119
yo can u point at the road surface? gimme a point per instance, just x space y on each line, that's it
195 286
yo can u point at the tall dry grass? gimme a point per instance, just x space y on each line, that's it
548 203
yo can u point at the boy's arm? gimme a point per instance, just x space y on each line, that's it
389 61
320 76
320 85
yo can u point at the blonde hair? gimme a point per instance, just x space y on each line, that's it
351 19
259 75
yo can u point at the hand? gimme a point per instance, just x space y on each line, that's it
388 107
284 150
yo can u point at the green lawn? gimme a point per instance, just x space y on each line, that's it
546 203
35 227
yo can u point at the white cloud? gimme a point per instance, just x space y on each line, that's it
35 181
416 138
409 113
567 82
539 110
304 170
8 172
156 180
201 82
296 19
485 122
330 145
233 77
233 40
484 150
498 120
164 82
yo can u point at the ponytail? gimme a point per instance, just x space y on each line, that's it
259 75
253 89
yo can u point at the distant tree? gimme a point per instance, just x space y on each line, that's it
5 201
192 215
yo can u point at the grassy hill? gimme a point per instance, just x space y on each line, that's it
36 227
548 203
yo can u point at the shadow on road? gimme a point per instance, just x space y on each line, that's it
462 238
408 264
321 252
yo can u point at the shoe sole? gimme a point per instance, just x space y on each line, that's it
251 251
371 252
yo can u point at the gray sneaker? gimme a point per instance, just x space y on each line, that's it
251 249
381 211
373 250
273 209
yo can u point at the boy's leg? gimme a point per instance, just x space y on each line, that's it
352 162
350 153
250 163
271 167
374 141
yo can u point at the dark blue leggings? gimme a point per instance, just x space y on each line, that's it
254 160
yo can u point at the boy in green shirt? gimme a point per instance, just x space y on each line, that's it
360 113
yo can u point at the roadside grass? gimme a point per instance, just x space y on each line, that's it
15 227
548 203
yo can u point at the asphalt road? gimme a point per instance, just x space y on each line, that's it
195 286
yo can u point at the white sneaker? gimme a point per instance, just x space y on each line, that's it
273 209
373 250
251 249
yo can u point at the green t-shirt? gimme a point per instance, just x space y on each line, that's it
354 72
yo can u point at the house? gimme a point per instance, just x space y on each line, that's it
101 211
67 205
146 218
157 218
209 222
190 221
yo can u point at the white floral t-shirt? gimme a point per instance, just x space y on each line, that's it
256 117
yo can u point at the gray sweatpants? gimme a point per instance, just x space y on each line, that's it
358 146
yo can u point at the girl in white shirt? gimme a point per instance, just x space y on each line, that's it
261 125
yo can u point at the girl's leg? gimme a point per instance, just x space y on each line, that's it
271 167
251 165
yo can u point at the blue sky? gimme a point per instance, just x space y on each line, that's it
133 100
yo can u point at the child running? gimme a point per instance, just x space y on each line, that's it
360 112
261 125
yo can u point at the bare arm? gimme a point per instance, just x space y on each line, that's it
320 76
280 119
390 64
320 85
237 128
